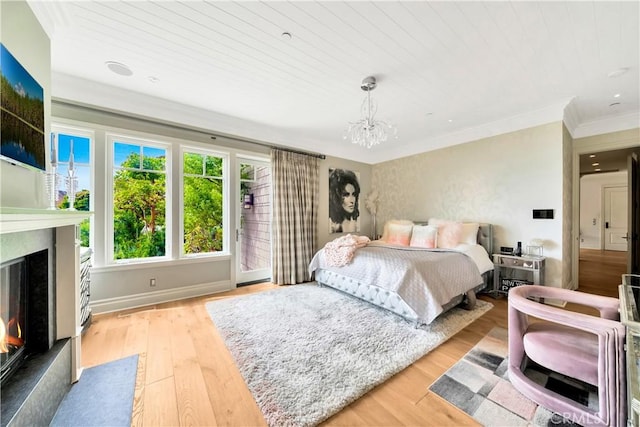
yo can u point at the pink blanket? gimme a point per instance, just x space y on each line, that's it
340 251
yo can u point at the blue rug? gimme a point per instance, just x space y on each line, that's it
102 397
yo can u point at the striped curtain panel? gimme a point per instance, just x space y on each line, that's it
295 215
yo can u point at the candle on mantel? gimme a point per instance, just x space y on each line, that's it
71 171
54 154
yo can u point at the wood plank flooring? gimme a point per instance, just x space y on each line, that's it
601 271
186 376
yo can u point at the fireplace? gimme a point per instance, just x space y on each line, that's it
25 298
13 316
40 254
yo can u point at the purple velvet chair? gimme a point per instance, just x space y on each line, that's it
580 346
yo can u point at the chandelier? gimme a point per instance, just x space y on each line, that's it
368 131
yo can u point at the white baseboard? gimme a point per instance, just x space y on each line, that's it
108 305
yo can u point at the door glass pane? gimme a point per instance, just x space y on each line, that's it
255 217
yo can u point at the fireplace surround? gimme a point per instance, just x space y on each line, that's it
48 239
25 322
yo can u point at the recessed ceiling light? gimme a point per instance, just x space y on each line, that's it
595 164
119 68
597 169
617 95
286 35
618 72
592 155
450 120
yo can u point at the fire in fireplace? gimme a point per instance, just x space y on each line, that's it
13 315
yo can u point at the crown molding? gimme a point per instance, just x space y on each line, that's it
607 125
544 115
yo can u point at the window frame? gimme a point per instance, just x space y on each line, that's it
111 139
61 128
226 230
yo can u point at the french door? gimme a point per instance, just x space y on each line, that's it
253 221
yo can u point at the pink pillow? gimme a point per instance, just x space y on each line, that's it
424 236
399 234
449 232
385 231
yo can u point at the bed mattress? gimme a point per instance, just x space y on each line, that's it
417 284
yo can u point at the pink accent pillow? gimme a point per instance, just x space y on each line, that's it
449 232
399 234
385 231
424 236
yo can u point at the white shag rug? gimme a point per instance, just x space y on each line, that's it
307 351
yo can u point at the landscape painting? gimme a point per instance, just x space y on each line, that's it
22 114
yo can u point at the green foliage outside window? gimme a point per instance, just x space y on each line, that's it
139 208
202 203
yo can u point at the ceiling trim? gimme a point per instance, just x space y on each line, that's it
514 123
608 125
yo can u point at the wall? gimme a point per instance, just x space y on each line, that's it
567 207
22 35
591 187
498 180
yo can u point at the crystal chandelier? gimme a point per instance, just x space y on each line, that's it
368 131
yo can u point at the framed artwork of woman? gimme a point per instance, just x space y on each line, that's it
344 195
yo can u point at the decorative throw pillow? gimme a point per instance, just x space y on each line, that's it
399 234
449 232
424 236
469 233
385 231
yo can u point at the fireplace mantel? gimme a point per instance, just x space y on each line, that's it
13 220
67 266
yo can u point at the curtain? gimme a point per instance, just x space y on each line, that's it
295 215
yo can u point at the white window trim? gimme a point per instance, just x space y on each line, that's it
58 128
151 141
226 230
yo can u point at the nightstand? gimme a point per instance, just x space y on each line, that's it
509 270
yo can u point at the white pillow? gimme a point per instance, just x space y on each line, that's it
469 233
424 236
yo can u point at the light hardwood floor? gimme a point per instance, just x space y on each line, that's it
186 376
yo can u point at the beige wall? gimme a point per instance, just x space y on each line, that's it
22 35
567 207
608 141
498 180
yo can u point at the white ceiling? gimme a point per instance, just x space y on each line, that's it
447 71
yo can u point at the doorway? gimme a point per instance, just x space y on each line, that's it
602 224
253 235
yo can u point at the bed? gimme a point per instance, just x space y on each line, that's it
416 283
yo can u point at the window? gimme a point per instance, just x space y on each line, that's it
203 201
74 160
139 199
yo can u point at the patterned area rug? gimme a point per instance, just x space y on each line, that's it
307 351
479 385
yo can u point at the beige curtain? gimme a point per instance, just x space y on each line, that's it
295 215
